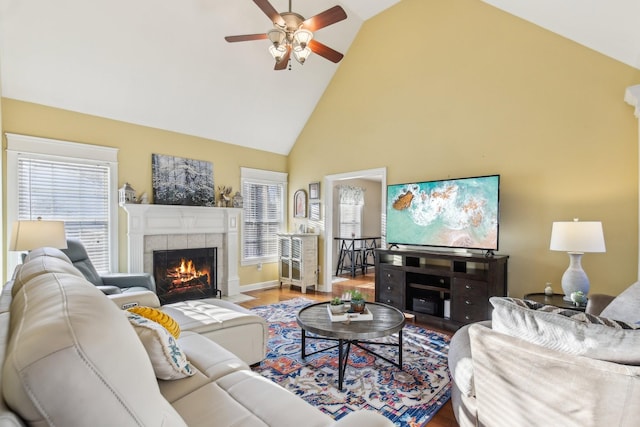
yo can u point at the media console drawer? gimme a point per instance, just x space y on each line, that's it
390 288
470 300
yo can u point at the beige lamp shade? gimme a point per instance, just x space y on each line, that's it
28 235
577 236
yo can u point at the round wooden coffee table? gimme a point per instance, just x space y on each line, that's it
386 320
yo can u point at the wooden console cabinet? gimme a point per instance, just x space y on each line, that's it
444 289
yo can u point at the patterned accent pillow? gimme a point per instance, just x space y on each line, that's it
573 314
569 331
160 317
168 360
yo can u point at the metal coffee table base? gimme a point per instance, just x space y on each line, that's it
343 356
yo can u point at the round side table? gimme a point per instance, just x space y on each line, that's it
555 299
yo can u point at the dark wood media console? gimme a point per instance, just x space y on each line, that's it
444 289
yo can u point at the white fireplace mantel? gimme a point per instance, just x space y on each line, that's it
149 220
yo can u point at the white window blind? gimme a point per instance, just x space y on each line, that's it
350 220
263 209
350 210
76 193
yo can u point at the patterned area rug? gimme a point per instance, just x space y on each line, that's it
409 397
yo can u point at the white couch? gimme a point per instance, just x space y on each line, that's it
71 358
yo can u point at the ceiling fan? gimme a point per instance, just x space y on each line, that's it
292 33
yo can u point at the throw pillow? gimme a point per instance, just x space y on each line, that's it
569 331
160 317
168 360
625 306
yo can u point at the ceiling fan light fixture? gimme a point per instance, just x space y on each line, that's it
277 52
302 55
277 36
301 38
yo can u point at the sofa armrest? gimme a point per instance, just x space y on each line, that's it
363 418
520 383
130 280
597 303
132 299
460 364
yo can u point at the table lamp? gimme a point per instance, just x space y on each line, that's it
576 237
28 235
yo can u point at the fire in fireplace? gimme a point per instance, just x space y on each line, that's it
183 274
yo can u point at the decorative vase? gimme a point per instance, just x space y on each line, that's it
237 200
579 298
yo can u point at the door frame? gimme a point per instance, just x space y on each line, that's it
330 181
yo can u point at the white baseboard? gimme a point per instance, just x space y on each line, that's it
259 286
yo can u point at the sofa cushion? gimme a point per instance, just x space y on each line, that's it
245 398
46 251
626 306
43 264
160 317
168 360
235 328
569 331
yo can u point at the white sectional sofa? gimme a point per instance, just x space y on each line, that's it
72 358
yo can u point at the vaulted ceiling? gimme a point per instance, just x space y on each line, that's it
165 63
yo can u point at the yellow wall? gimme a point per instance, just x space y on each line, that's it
433 89
136 144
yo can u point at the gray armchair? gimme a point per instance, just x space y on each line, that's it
109 283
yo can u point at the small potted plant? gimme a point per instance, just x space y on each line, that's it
357 301
337 305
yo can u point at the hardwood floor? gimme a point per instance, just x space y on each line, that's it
443 418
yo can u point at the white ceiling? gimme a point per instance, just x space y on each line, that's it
165 63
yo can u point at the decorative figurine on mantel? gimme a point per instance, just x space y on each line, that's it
225 199
126 194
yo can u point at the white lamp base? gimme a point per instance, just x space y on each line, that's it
574 279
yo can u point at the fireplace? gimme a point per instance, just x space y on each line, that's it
184 274
153 228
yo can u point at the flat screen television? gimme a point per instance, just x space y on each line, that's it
460 213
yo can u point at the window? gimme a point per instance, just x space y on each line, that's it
63 186
350 220
264 207
350 210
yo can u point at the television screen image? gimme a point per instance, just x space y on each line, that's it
454 213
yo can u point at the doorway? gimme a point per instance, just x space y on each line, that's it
330 182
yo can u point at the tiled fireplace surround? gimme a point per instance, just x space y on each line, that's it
162 227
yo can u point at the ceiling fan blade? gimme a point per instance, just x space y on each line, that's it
245 38
325 51
270 11
284 61
323 19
